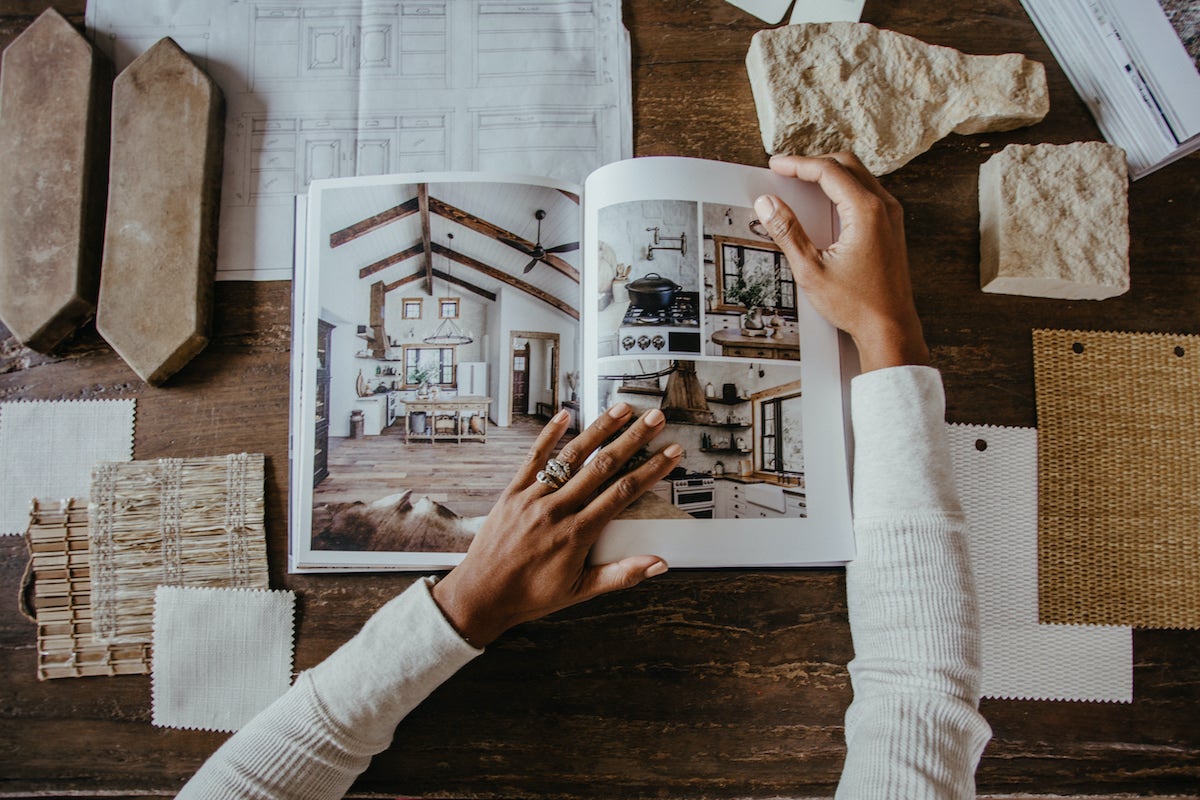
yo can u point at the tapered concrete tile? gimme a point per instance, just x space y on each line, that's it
54 106
160 241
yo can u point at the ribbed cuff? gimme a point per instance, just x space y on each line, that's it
400 656
901 456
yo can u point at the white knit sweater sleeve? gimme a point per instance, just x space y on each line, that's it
316 739
913 729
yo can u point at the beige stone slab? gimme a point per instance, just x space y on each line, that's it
160 240
1054 221
886 97
54 106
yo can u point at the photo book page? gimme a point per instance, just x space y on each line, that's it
441 319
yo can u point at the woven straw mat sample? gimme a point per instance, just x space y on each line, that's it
58 551
171 522
1118 478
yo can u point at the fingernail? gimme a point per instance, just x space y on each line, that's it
765 208
673 450
561 416
653 417
619 410
657 568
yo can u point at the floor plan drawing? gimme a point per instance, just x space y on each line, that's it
340 88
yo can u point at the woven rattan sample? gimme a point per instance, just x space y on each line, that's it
1118 478
171 522
58 548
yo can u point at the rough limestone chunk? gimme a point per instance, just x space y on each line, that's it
1054 221
54 95
886 97
160 240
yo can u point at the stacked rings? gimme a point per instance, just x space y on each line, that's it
555 474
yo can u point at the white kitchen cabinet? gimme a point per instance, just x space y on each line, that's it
374 410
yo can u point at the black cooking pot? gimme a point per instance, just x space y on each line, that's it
652 291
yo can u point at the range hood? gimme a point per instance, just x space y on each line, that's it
684 399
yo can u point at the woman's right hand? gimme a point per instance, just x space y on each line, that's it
860 283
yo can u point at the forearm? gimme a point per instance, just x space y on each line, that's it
316 739
913 728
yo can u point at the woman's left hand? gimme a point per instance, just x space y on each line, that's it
530 557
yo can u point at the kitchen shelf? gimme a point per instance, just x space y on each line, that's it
726 451
642 390
729 425
725 402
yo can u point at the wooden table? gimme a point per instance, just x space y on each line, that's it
699 684
735 343
455 409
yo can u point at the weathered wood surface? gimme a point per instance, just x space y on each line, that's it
701 684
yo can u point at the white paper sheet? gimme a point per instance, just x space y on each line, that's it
351 87
1023 659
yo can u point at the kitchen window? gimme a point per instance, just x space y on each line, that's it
448 308
744 261
438 359
779 431
411 308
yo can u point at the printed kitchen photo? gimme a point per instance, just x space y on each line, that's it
741 426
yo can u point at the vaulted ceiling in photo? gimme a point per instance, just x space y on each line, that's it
382 233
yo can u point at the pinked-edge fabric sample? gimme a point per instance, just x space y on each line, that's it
996 472
48 447
1118 484
220 655
172 522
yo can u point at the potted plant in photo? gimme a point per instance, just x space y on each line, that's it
422 375
753 292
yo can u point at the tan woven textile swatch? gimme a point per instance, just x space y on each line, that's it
1118 478
62 598
171 522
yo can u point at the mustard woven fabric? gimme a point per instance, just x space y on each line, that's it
1118 483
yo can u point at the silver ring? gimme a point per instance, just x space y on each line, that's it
559 469
550 480
555 474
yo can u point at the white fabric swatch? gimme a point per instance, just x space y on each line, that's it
1023 659
220 655
47 449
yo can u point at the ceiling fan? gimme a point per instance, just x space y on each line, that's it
537 252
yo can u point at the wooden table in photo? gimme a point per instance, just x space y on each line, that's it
779 346
462 418
713 683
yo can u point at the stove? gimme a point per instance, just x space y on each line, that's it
673 330
693 492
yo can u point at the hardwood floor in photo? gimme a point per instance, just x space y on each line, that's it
467 478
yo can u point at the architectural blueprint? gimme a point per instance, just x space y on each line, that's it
362 87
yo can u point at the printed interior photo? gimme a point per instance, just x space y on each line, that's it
447 337
749 292
740 424
649 279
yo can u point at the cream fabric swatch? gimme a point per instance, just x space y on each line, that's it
47 449
996 472
220 655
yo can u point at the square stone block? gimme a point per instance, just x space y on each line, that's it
1054 221
54 105
160 240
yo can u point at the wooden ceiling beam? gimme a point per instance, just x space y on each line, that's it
395 258
423 205
363 227
468 220
437 273
504 277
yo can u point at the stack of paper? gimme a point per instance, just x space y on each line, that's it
1136 64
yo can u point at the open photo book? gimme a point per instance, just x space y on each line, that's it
440 319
